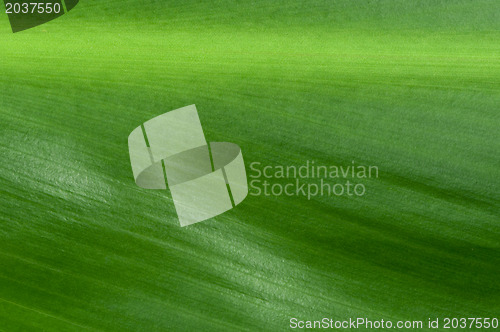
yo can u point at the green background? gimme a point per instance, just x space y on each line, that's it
410 86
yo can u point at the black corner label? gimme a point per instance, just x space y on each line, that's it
26 14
